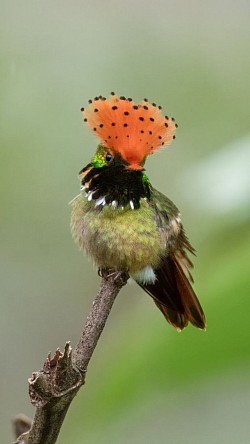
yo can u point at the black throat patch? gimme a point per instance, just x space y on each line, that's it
115 185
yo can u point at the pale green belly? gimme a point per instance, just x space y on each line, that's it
127 239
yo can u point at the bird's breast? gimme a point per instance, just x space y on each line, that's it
121 239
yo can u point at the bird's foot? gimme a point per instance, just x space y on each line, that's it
118 277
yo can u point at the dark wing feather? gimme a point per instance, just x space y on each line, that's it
174 296
172 291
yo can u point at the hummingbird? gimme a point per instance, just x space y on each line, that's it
121 221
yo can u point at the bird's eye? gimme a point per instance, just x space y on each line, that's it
108 157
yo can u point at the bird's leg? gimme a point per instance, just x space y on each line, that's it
119 277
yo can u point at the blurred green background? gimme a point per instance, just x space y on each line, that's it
145 382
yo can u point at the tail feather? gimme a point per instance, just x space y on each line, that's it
190 302
174 296
175 318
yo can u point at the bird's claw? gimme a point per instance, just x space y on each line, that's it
118 277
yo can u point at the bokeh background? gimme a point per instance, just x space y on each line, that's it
146 382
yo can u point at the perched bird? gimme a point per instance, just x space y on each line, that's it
124 223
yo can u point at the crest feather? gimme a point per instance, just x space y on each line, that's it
134 131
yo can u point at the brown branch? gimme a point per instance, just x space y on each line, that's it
53 388
21 424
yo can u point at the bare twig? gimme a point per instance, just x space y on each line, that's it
53 388
21 424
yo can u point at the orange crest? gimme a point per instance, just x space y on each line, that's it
133 131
